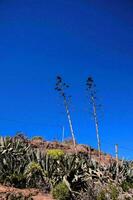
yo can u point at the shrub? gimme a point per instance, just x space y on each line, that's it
17 180
20 136
89 194
55 153
37 138
101 195
34 175
114 193
126 185
8 138
61 192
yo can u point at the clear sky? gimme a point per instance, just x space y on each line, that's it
40 39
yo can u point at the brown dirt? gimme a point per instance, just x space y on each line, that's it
43 197
36 195
44 146
68 148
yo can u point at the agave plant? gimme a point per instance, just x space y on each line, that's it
13 160
22 166
128 172
73 172
47 164
34 175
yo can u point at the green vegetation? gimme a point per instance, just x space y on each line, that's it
37 138
76 175
61 192
101 195
126 185
55 153
34 174
114 193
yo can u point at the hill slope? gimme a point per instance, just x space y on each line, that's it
54 168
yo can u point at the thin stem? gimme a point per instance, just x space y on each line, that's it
96 125
63 131
70 123
117 162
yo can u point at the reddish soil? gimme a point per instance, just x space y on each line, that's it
26 192
36 195
44 146
68 148
42 197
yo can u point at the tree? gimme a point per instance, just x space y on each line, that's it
91 88
61 89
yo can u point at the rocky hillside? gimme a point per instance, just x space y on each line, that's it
41 170
67 147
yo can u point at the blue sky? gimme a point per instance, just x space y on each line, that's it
40 39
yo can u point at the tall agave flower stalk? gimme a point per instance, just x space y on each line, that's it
117 161
92 98
61 88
